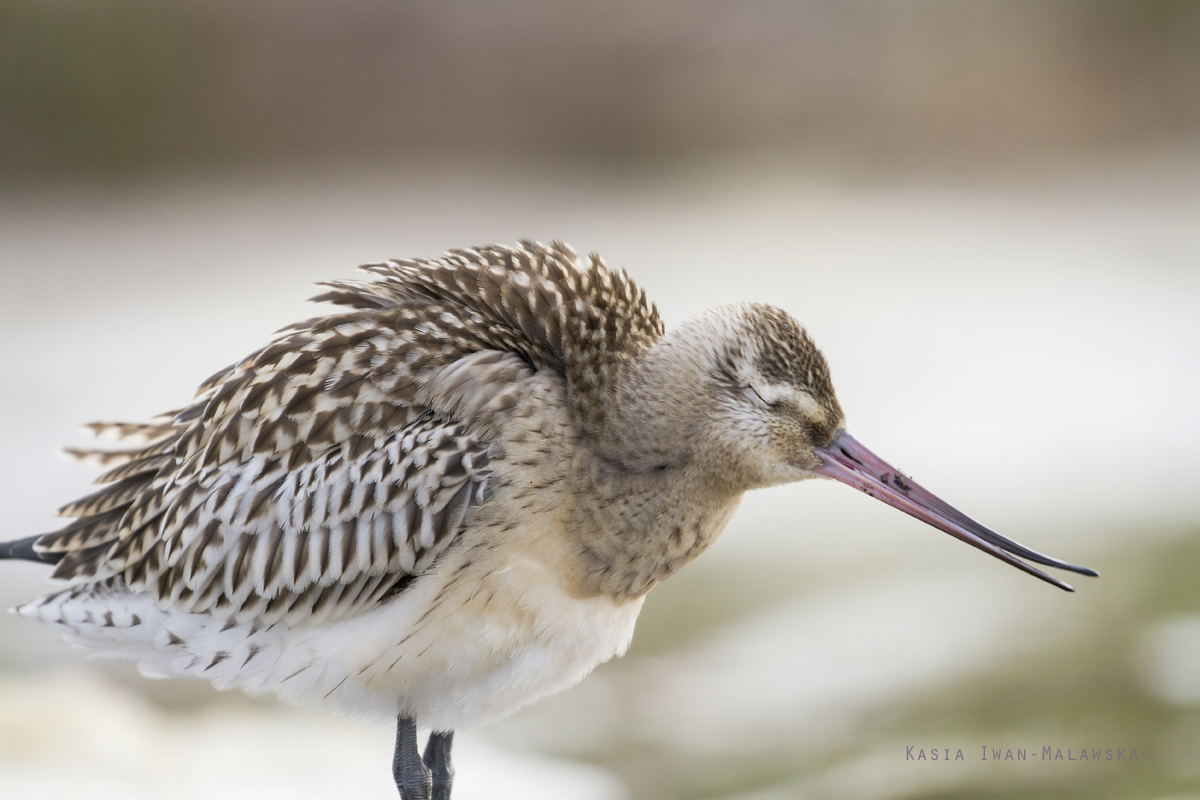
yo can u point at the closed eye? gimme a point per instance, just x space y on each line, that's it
760 398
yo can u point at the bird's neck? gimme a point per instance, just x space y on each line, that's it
637 528
655 497
654 409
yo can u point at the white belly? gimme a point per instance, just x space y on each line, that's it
464 645
478 648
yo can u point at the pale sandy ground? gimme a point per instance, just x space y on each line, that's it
69 734
1028 348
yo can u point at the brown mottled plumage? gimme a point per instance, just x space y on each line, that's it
346 480
451 499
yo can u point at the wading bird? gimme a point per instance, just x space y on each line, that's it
450 499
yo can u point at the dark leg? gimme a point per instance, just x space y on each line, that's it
437 758
412 778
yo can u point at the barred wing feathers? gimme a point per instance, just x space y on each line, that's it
320 473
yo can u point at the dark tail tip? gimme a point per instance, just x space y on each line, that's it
23 549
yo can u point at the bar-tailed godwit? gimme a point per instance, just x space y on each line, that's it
451 498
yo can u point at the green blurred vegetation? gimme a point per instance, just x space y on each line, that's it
116 87
103 87
1084 690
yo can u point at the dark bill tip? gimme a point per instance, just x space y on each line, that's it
848 461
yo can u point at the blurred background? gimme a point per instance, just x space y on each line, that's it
986 213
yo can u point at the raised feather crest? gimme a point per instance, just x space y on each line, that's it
312 478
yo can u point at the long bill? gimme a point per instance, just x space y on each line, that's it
846 460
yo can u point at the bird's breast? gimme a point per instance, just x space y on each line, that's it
486 633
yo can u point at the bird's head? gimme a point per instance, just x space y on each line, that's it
772 399
743 390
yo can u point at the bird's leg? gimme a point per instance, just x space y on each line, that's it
437 758
412 778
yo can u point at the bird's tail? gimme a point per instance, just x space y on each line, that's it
23 549
98 514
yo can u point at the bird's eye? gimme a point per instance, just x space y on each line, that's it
762 400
